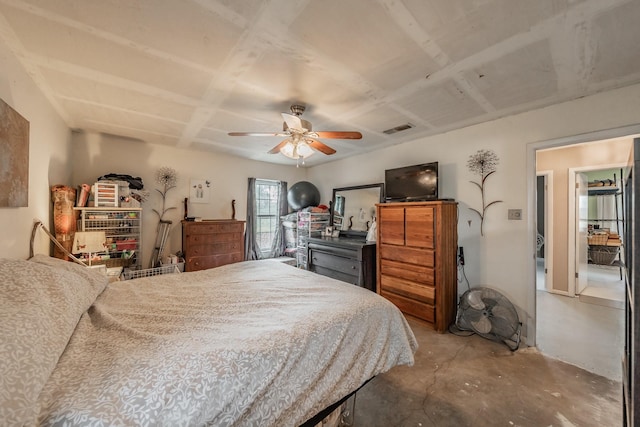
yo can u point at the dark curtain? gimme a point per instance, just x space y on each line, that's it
278 245
251 249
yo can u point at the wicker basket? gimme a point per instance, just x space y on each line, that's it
603 255
598 239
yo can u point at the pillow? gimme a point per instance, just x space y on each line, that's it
41 302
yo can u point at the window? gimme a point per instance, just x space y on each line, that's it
267 213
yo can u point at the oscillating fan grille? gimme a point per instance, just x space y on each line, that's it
490 314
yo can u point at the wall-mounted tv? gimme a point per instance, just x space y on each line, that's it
411 183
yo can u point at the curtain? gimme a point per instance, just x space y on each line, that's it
278 245
251 249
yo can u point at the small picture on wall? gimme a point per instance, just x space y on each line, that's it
199 190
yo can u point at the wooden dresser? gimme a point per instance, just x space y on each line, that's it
212 243
416 262
348 259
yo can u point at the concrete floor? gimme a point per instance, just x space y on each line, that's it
587 331
472 381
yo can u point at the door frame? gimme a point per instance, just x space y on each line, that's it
532 147
571 256
548 227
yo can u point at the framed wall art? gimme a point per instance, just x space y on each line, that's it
199 190
14 158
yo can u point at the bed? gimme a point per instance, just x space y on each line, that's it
252 343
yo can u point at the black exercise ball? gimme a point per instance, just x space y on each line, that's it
303 194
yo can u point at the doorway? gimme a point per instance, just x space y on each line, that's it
568 327
598 222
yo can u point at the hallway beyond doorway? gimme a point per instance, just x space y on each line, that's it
605 287
588 334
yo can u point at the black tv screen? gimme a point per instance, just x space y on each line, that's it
412 183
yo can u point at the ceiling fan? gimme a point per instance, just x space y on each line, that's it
301 141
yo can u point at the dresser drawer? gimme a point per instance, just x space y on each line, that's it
211 261
214 248
406 288
411 272
420 227
213 227
418 256
334 262
205 239
338 275
412 307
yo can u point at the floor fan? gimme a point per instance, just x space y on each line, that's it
489 314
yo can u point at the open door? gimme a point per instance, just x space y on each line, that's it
631 355
544 228
582 214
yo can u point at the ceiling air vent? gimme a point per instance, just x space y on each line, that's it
398 128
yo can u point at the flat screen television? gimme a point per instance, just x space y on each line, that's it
411 183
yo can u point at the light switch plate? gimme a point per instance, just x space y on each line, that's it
515 214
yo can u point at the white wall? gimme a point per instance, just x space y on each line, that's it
49 159
95 155
502 258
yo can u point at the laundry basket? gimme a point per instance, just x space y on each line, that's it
155 271
603 255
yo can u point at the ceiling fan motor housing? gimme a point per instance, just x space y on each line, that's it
297 109
305 124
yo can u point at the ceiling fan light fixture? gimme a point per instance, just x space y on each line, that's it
304 150
296 150
289 150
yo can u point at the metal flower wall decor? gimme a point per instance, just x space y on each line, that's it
484 164
167 177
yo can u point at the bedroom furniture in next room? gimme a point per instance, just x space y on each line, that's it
417 267
349 259
257 343
212 243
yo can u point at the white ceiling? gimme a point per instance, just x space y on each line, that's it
185 72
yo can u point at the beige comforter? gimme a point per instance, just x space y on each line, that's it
256 343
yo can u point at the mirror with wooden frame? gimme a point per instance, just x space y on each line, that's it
354 208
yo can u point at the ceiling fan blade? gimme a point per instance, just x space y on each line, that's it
339 135
257 134
276 149
319 146
293 122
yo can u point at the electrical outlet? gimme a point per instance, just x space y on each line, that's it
515 214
